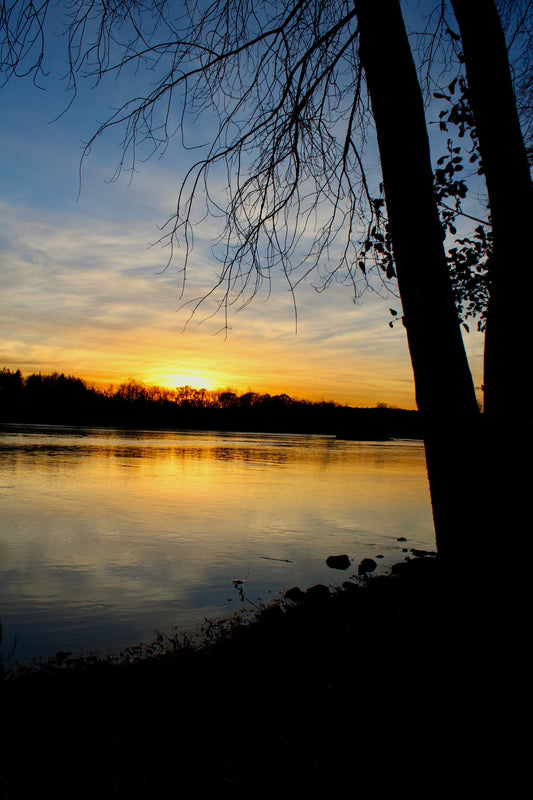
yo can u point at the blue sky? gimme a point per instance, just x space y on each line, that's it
82 291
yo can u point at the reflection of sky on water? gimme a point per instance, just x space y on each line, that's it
109 535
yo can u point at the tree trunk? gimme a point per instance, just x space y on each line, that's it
443 382
508 375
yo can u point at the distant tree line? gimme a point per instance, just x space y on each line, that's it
59 399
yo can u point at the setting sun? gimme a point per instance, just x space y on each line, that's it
176 379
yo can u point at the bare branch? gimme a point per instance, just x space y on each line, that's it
279 88
22 39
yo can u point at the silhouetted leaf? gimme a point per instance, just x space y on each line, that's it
453 35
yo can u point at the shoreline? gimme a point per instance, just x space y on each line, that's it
349 573
334 690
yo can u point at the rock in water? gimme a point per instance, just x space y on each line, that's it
338 562
367 565
295 594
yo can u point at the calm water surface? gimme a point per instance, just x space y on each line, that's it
109 536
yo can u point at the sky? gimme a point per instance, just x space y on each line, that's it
84 289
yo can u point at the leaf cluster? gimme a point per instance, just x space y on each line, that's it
469 263
469 258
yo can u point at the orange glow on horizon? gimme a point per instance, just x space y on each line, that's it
178 380
175 380
367 394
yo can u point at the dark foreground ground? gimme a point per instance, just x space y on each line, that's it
394 686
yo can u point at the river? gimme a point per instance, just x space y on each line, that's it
108 537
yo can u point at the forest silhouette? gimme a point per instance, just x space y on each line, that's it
59 399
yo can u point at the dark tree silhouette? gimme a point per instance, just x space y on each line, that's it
508 371
444 388
294 89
